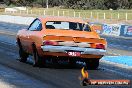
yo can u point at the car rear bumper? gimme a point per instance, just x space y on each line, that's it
64 49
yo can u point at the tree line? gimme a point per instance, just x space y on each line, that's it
75 4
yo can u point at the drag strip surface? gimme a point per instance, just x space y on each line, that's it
56 76
10 78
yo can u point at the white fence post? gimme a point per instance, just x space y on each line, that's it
27 11
44 12
74 14
126 16
118 16
20 12
91 15
39 12
79 14
68 13
85 15
111 16
97 15
58 12
63 13
53 13
31 12
104 16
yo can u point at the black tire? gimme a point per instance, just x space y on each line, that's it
72 63
37 60
92 64
22 54
54 60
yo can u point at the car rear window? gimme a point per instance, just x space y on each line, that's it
62 25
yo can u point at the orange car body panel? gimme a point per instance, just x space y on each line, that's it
37 37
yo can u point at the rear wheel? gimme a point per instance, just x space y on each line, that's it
72 63
37 60
92 64
22 54
54 60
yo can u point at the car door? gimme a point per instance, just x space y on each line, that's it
32 33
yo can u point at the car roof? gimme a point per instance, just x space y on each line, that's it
62 18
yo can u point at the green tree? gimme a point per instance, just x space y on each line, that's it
75 4
130 4
111 4
7 2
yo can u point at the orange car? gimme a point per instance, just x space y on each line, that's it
61 38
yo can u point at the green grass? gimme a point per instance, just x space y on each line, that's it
96 14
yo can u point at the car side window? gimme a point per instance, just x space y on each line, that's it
36 26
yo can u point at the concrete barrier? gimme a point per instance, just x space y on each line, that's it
97 27
15 9
16 19
126 31
106 29
111 29
20 8
10 10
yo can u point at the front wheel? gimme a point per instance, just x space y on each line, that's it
92 64
22 54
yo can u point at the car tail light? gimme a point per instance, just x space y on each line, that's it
50 43
100 46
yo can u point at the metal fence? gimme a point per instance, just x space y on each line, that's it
83 14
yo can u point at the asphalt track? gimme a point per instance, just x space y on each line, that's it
60 76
